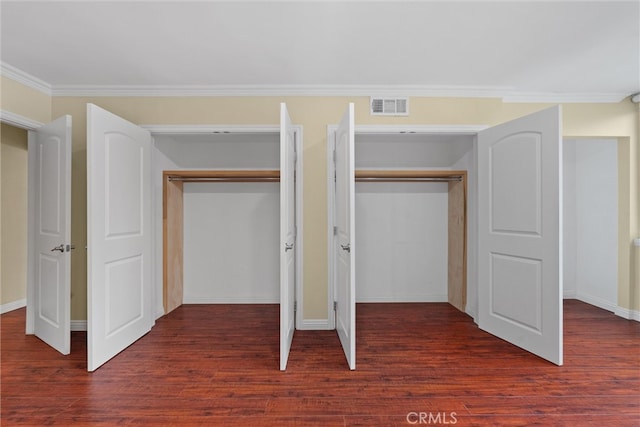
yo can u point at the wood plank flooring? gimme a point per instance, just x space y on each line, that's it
417 364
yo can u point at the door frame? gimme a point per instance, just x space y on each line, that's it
159 130
449 130
29 125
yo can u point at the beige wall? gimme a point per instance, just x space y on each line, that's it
13 258
620 120
25 101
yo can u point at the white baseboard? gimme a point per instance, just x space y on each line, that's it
628 314
14 305
569 294
79 325
598 302
315 325
625 313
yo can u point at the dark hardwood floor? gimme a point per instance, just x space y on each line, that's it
417 364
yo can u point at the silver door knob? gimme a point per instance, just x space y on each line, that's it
58 248
288 246
346 247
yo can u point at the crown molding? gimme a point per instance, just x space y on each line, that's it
280 90
24 78
563 98
506 94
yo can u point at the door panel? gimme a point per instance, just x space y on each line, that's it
345 295
50 233
119 234
287 235
519 181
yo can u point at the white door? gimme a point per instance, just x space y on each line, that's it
119 234
520 229
287 235
49 271
345 290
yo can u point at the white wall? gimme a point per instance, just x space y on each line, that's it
570 232
231 241
402 237
221 150
591 221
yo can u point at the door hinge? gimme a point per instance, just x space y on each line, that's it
335 306
295 306
335 156
335 230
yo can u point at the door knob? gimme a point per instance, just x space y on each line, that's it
288 246
58 248
346 247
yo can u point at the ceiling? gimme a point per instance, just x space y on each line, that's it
588 50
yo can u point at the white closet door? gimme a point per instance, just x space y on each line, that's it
287 235
345 289
48 311
519 247
119 234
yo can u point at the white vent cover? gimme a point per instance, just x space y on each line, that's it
389 106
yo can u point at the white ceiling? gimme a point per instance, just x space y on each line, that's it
518 48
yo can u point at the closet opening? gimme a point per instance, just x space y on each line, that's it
412 236
414 198
217 198
218 228
411 203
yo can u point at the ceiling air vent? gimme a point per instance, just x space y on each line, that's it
389 106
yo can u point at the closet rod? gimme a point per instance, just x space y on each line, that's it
410 179
220 175
409 175
224 179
